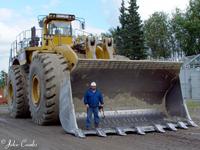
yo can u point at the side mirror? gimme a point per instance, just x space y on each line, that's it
83 25
41 23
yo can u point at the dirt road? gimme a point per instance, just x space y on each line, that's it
22 134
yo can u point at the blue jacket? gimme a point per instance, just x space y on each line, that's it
93 99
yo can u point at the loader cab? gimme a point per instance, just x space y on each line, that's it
60 28
57 29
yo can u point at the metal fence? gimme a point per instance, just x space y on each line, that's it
190 79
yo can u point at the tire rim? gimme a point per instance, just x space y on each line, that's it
10 93
35 90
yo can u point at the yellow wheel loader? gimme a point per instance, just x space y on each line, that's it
50 70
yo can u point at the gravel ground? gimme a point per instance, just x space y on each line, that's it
22 134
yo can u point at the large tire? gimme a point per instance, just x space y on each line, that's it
17 92
46 74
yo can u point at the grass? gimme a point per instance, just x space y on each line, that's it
193 104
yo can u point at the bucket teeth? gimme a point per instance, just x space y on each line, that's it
120 131
159 128
171 126
191 123
100 132
140 131
182 125
79 133
129 130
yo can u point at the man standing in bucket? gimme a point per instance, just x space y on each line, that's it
93 99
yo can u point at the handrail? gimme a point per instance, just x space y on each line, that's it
22 41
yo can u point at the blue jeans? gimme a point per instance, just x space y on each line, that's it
95 112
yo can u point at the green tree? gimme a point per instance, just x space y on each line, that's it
134 34
129 35
192 27
157 35
186 28
123 15
3 76
178 33
119 33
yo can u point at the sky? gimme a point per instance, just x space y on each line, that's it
100 15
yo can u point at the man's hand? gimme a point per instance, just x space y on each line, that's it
101 107
87 106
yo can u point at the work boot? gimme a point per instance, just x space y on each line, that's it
87 128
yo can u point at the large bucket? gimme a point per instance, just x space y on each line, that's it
139 96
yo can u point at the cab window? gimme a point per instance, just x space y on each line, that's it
60 28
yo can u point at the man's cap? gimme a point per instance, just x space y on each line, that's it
93 84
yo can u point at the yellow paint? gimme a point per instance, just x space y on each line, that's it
68 53
62 44
105 52
90 47
99 52
108 49
89 54
61 40
10 93
35 91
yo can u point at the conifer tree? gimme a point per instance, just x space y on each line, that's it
129 39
